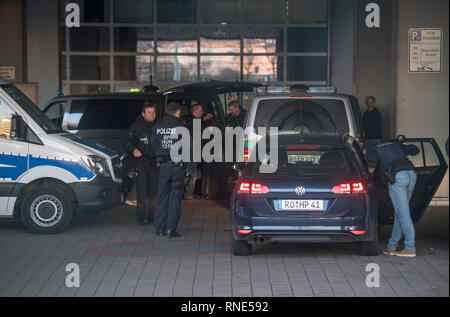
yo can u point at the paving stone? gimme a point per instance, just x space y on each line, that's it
118 257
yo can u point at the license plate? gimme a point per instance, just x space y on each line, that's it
314 205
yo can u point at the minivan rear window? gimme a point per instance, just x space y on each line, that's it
97 114
303 115
303 162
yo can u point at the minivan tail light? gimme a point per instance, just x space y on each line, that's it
259 189
342 189
347 188
244 188
253 188
358 188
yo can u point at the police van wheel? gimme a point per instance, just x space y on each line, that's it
240 248
46 209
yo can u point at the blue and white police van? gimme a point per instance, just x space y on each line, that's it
47 174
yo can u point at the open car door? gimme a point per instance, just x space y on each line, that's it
430 167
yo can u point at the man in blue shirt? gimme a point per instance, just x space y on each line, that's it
390 161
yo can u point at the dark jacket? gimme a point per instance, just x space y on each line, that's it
232 121
383 155
372 124
189 123
139 138
161 140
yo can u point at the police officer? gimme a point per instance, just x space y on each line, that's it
138 145
171 174
390 161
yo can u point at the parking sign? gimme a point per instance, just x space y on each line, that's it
425 46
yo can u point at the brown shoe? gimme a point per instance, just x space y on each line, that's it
406 254
389 252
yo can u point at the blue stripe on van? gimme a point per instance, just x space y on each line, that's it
13 166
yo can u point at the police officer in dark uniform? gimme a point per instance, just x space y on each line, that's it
138 145
171 174
389 159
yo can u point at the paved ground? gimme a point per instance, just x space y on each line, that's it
119 258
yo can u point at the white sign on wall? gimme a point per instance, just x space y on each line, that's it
425 46
8 73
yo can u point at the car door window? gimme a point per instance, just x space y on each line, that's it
5 120
431 158
56 112
417 160
427 156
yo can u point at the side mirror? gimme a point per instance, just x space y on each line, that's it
18 128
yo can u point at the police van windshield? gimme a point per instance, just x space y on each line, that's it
31 109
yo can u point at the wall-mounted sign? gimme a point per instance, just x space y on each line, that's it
8 73
425 46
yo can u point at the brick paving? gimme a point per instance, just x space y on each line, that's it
118 257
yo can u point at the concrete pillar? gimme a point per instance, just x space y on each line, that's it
423 99
43 46
11 37
343 17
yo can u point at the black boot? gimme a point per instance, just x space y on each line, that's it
172 233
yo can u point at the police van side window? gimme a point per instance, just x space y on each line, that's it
5 120
98 114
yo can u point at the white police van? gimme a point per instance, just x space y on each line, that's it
46 174
302 109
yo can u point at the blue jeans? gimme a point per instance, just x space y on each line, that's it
400 194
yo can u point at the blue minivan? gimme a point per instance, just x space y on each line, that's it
322 192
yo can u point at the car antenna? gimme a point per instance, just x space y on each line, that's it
151 87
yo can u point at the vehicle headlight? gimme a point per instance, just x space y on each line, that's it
97 164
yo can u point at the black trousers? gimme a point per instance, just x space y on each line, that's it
170 194
146 188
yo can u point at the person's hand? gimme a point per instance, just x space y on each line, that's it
207 117
371 171
137 153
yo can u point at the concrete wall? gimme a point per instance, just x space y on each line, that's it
423 99
343 23
11 36
43 46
